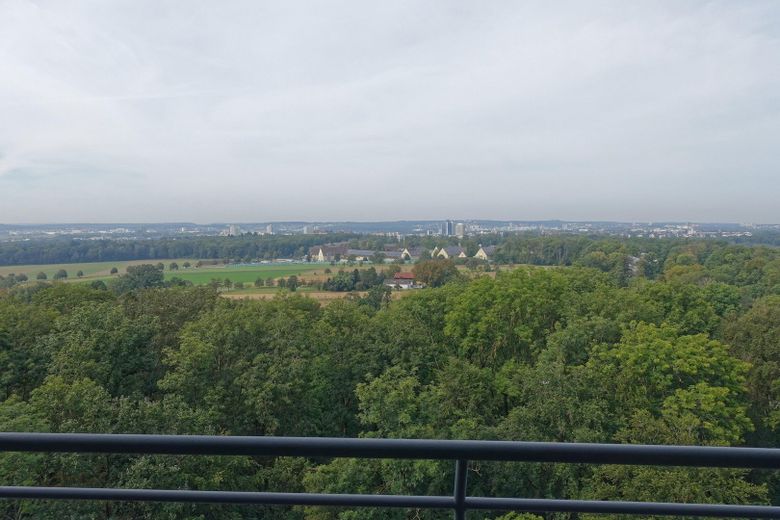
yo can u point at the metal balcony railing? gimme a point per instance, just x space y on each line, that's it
458 451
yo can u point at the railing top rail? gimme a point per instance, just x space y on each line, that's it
633 454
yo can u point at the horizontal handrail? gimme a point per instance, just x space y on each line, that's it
632 454
460 451
534 505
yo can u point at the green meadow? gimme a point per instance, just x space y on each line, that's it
198 276
91 270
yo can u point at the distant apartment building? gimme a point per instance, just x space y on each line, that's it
232 231
460 229
448 228
269 229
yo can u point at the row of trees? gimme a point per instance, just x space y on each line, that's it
13 279
357 280
241 248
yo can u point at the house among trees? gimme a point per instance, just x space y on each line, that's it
452 252
340 252
486 252
403 281
412 254
359 255
394 255
367 255
328 252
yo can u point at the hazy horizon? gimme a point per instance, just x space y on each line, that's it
371 221
143 112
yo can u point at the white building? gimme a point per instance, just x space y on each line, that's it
460 229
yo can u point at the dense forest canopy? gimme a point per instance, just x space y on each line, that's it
680 346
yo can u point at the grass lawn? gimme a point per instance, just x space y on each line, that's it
91 270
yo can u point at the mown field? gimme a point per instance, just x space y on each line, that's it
91 270
246 274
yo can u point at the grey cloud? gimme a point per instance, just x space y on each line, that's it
381 110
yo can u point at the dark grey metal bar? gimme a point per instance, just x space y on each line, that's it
632 454
393 501
225 497
630 508
461 476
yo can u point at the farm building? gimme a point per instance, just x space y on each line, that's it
403 281
394 255
328 252
360 255
413 253
486 252
452 252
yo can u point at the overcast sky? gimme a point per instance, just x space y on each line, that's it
150 110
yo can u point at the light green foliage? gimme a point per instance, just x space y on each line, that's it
755 337
435 273
19 468
144 276
22 364
655 367
99 342
78 405
552 402
507 317
685 306
691 485
390 404
66 297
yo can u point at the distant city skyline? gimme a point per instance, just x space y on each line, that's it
136 111
269 224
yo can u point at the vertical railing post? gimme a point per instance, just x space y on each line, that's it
461 467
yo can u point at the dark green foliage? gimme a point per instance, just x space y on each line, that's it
435 273
355 280
143 276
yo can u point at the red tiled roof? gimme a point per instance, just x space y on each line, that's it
403 276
